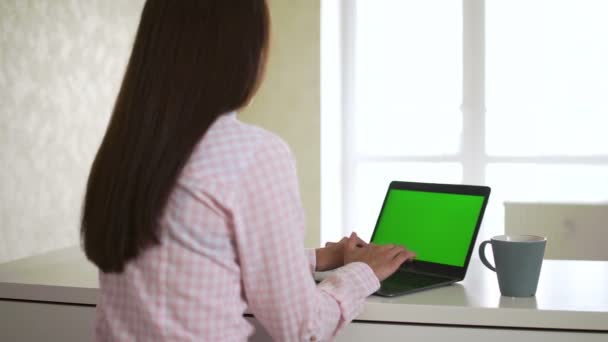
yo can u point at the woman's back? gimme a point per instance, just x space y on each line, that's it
189 286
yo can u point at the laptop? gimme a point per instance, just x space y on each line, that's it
439 222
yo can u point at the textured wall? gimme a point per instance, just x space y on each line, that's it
289 100
61 63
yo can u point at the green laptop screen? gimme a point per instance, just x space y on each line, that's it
438 227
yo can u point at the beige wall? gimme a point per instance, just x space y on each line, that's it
289 100
61 63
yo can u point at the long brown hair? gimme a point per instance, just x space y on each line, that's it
192 61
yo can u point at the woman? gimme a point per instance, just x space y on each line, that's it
192 216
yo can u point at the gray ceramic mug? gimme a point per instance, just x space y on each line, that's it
518 260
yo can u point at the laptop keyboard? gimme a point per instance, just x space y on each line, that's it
403 281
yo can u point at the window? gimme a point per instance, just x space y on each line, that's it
511 94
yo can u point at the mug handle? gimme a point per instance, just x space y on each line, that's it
482 255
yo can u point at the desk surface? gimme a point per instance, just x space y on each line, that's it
571 295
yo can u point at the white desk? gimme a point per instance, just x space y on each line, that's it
55 289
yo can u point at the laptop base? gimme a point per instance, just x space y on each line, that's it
405 282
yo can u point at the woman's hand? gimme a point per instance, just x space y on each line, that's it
384 260
332 255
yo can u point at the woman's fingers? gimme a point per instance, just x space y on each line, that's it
399 259
351 242
397 255
396 250
386 247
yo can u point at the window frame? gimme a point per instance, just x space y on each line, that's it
472 154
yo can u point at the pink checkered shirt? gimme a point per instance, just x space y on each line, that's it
232 241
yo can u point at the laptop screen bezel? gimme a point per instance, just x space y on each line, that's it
453 272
